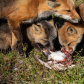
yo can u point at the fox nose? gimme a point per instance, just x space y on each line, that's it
79 20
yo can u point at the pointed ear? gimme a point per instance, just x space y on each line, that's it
71 2
71 31
51 22
58 25
52 3
36 28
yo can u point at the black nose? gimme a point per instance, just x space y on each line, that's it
79 20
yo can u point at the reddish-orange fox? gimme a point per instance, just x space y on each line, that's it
70 35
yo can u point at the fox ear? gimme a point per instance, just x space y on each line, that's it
52 3
36 28
71 31
70 2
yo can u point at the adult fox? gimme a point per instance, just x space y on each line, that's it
18 10
71 34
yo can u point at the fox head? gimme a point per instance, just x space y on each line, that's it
61 8
70 35
43 34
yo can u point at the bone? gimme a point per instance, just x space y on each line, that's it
59 67
62 66
42 62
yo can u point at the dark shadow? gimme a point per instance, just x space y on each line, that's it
80 48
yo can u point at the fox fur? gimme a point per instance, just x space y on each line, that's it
42 33
17 11
70 35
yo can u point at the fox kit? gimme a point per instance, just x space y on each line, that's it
17 11
71 34
40 35
43 34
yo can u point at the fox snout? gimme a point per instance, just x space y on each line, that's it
74 20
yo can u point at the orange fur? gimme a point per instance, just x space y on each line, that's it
70 39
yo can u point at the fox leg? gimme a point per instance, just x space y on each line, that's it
14 20
16 37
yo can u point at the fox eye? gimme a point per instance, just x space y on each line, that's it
68 10
69 44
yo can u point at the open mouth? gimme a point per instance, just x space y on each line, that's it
43 49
